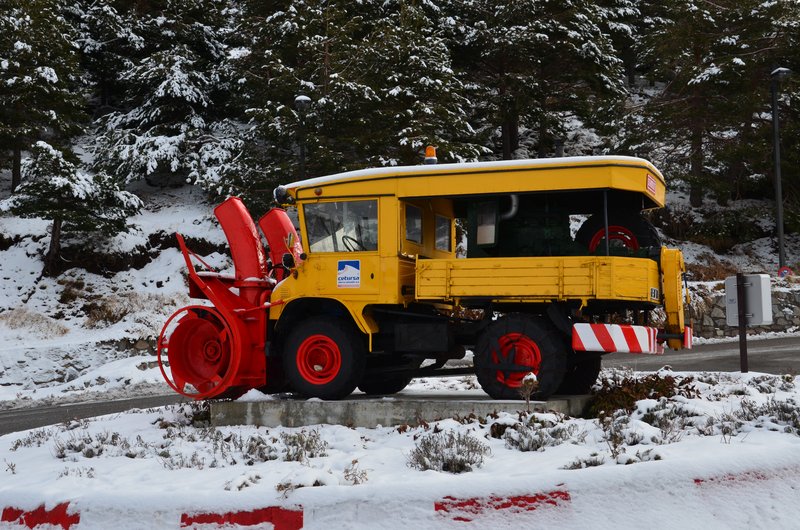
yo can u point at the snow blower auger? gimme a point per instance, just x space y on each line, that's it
218 350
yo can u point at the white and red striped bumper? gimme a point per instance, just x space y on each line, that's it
610 338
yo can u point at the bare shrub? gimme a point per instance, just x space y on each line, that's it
80 472
245 481
303 445
529 386
592 460
536 436
35 438
614 427
286 486
448 451
772 414
354 475
669 418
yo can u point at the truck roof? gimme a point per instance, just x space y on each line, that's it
497 177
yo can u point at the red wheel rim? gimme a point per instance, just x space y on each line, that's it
615 233
518 349
204 354
319 359
201 350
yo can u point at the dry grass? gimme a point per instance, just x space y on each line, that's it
709 269
42 325
148 309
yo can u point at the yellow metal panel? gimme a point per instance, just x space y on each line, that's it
518 176
536 279
672 287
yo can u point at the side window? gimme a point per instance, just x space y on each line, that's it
444 227
342 226
413 224
487 223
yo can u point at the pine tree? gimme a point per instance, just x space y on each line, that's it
420 98
110 44
535 64
291 48
380 83
714 60
171 96
39 92
54 188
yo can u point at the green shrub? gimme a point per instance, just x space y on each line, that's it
623 394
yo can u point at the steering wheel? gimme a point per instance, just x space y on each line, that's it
352 244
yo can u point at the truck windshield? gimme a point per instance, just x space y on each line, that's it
342 226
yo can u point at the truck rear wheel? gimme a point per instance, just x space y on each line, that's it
514 346
324 358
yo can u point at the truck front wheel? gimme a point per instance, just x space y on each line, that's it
514 346
324 358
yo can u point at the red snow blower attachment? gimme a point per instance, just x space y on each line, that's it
219 349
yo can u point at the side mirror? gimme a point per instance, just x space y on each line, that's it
281 195
288 261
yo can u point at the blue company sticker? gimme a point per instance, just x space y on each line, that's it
348 273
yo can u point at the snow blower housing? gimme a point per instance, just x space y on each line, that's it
396 271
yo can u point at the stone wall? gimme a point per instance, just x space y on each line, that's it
708 313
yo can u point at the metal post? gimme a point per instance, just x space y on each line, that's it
302 148
302 103
741 305
777 75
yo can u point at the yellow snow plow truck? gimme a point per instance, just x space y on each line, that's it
535 266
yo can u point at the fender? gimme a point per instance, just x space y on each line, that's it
672 269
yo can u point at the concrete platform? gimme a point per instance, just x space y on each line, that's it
370 412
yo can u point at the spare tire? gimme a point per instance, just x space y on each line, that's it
627 233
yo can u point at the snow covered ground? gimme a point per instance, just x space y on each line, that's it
724 451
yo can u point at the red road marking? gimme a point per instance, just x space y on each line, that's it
723 479
58 516
281 518
466 509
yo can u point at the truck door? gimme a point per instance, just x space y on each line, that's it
342 240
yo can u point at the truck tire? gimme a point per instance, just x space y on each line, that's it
324 358
514 346
581 376
625 231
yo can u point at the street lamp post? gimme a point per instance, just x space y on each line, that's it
302 103
775 77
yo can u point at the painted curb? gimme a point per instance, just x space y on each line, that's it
67 515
